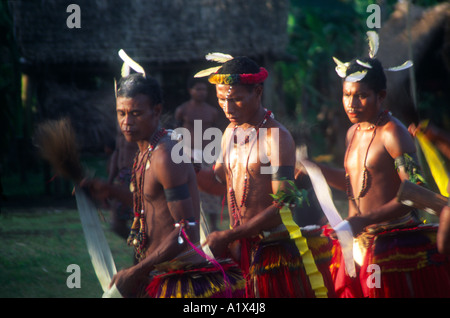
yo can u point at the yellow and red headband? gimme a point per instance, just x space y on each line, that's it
232 79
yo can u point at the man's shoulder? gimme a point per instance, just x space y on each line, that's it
395 126
397 138
282 130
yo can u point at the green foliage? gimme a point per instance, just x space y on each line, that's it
291 196
317 32
39 244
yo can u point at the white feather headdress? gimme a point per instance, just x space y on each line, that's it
128 64
373 41
216 57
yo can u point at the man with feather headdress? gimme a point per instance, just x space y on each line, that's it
396 254
164 195
256 170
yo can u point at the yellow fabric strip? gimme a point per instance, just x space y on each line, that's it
435 163
315 277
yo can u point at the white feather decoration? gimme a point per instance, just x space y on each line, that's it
366 65
374 43
218 57
356 77
125 71
402 67
130 62
341 68
207 72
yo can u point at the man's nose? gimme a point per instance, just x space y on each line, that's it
128 120
228 106
351 102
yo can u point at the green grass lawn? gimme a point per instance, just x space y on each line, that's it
36 248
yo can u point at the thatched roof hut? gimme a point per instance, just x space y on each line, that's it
168 38
422 35
152 31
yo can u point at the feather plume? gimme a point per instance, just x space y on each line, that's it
56 142
130 62
341 68
402 67
356 77
338 62
218 57
374 43
125 71
366 65
208 71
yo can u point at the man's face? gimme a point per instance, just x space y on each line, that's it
239 103
360 102
137 119
199 92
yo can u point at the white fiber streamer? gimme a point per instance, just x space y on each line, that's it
97 246
341 227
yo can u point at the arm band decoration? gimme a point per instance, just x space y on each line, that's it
184 224
290 197
283 173
178 193
411 168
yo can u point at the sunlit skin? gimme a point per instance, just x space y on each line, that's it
243 108
363 106
138 121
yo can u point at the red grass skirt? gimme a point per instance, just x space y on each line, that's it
205 281
409 263
277 270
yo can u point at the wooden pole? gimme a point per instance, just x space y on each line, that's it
421 198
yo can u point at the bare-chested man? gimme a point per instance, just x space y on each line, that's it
252 145
197 111
391 241
166 207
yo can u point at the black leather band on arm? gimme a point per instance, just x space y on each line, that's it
178 193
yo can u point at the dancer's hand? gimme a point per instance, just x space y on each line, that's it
218 243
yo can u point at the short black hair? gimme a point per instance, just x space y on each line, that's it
135 84
239 65
375 77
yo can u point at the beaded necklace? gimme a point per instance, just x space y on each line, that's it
365 181
234 207
138 235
